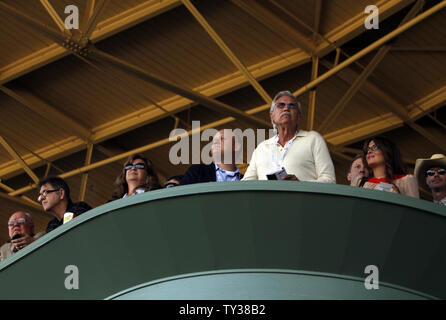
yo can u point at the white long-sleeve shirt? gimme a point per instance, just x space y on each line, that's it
307 158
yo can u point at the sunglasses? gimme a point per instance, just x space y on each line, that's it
282 105
19 221
372 148
431 172
136 165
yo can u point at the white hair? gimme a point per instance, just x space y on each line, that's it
286 93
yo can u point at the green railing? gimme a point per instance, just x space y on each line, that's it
239 240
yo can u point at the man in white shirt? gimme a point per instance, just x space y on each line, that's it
303 154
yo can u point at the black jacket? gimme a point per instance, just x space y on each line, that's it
77 208
199 173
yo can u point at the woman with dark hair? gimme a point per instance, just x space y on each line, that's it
387 169
138 175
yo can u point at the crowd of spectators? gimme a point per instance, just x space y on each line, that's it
292 154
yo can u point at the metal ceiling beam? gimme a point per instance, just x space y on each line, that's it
84 179
46 111
273 22
226 50
22 199
353 27
385 122
312 95
398 109
21 202
107 28
18 158
317 19
56 18
357 84
93 20
89 10
35 24
361 130
351 92
371 47
213 104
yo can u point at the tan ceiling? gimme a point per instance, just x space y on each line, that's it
55 102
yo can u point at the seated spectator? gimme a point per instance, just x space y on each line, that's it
431 173
55 198
225 148
357 172
21 233
137 176
173 181
293 154
387 169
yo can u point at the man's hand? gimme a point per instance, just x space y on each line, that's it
290 177
20 243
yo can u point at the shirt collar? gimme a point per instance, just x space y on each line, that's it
229 173
137 191
299 133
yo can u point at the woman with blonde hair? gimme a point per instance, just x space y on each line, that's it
137 176
387 170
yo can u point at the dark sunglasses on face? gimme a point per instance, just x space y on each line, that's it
431 172
136 165
372 148
282 105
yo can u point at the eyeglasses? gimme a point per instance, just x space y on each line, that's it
282 105
19 221
45 193
136 165
431 172
372 148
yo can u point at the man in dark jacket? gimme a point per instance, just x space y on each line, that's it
55 198
223 167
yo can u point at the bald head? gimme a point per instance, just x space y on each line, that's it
225 146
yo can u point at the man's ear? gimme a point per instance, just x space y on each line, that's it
61 194
349 176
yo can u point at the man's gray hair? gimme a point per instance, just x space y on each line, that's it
282 94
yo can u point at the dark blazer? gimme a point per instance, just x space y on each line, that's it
77 208
199 173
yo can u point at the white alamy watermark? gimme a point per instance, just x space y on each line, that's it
72 280
188 149
372 21
72 20
371 282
